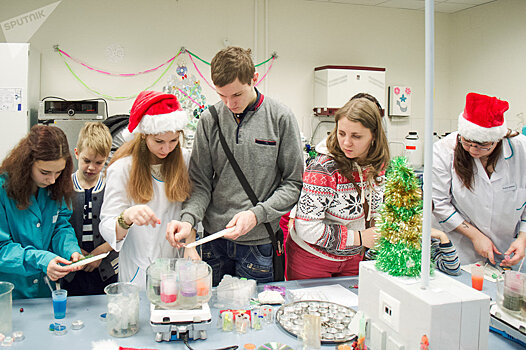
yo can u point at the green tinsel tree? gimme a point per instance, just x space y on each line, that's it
399 247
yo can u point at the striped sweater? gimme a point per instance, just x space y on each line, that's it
330 209
445 257
443 254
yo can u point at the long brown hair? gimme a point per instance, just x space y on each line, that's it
364 111
175 174
43 143
464 164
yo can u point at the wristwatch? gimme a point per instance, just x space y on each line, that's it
122 223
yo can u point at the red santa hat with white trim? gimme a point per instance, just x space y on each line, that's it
483 118
155 113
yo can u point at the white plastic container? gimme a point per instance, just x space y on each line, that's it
414 150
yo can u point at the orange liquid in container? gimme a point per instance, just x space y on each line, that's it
476 282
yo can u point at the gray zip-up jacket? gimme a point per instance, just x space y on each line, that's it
267 146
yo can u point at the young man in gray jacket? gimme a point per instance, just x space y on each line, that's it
264 138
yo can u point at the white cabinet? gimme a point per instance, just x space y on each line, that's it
335 85
19 93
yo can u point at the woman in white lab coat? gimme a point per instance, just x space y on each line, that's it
479 187
147 181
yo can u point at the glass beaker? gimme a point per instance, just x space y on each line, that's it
511 294
187 271
169 287
203 282
6 307
123 309
153 283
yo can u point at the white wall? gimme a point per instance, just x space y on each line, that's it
320 34
305 34
488 55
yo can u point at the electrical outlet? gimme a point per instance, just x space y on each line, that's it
389 310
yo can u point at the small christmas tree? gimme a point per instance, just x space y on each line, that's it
399 247
189 93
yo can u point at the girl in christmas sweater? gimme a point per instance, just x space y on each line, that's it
341 194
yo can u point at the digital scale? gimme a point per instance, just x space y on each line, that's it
508 313
507 325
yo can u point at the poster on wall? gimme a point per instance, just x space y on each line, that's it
10 100
400 101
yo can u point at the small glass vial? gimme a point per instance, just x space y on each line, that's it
227 318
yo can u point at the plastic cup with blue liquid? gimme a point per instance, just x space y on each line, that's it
60 298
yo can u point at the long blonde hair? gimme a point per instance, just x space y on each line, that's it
365 112
140 186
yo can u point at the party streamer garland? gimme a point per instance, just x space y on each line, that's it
108 97
190 54
116 74
63 54
274 55
201 74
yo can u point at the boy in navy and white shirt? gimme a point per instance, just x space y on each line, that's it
93 148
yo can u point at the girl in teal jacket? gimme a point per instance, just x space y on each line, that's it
36 238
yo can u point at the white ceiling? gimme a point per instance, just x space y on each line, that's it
445 6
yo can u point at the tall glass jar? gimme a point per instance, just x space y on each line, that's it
6 307
123 309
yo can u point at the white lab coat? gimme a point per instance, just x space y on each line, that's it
496 205
143 244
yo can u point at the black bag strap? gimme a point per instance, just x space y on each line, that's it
243 180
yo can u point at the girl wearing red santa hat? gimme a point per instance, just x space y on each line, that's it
147 181
479 187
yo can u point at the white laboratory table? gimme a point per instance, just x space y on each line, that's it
38 314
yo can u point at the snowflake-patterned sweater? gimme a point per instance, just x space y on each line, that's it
330 209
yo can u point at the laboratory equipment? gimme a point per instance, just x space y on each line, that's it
6 307
123 309
60 300
335 85
334 319
414 150
179 291
477 276
508 314
70 116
